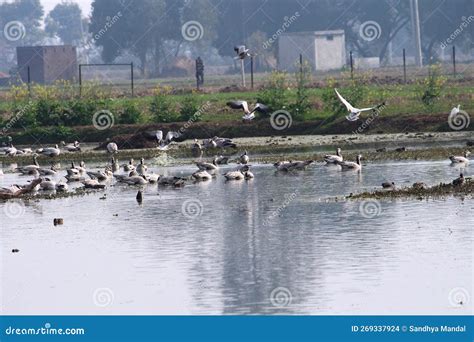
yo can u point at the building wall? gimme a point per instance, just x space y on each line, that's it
291 46
47 63
323 50
60 63
31 56
330 52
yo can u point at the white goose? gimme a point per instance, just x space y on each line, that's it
354 113
11 151
74 147
112 148
244 158
207 166
129 167
334 159
26 170
142 168
92 184
237 175
200 176
346 165
115 165
48 185
50 151
460 159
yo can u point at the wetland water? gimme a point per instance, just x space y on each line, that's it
272 245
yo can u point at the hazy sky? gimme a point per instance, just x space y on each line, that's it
84 4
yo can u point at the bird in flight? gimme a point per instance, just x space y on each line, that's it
248 115
354 113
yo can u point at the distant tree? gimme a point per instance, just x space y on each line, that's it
65 21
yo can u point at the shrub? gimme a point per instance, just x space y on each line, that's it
130 114
161 108
432 86
189 108
302 106
274 92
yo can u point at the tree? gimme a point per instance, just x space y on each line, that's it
65 21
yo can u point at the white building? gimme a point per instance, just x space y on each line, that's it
325 50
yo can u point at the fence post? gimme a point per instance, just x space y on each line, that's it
29 80
251 71
454 60
132 79
80 80
404 66
352 65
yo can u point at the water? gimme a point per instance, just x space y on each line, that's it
273 245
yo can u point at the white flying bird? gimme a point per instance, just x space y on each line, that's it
243 105
355 112
164 144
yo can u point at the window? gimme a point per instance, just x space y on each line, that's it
329 37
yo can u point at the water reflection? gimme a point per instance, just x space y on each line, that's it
248 239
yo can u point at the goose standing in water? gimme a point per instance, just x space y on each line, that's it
200 176
202 166
129 167
244 158
300 165
460 160
283 166
237 175
345 165
112 148
142 168
11 151
334 159
62 187
221 160
115 165
27 170
196 148
48 185
48 172
101 176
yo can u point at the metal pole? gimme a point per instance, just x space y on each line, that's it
301 65
242 67
132 77
29 81
404 66
352 65
415 17
80 80
454 60
251 71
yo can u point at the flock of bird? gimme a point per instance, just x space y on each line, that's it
138 174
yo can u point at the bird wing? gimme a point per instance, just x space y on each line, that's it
239 105
171 136
159 135
261 108
349 107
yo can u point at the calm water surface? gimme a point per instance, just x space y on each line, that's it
273 245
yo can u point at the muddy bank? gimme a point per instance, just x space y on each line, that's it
420 191
134 136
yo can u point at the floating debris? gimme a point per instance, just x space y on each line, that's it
15 250
140 197
58 222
